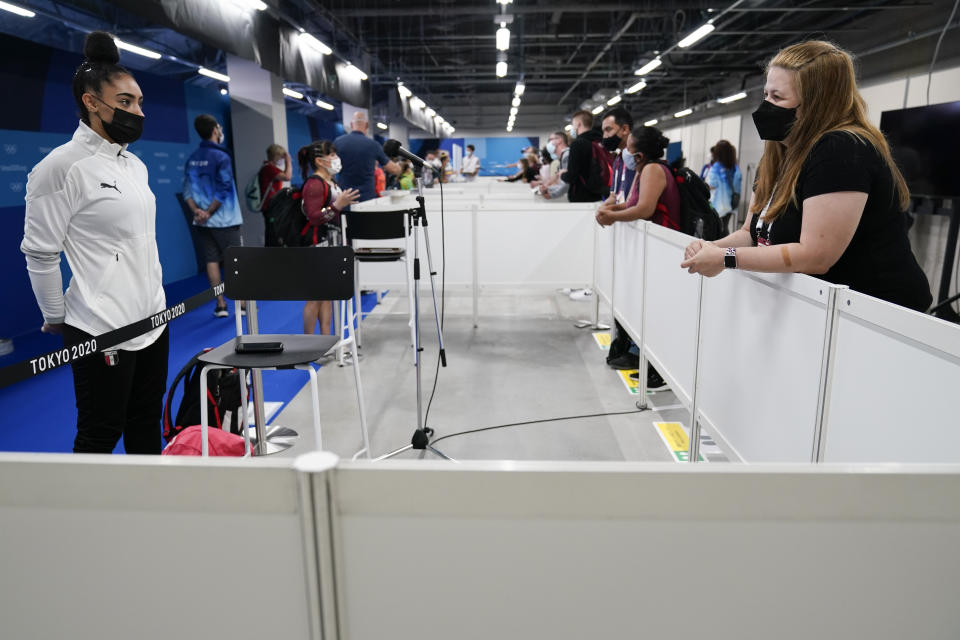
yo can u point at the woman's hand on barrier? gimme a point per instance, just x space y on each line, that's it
708 261
693 248
605 217
52 328
346 198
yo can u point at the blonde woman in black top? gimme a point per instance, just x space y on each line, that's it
828 200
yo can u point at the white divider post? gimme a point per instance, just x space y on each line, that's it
313 484
826 370
474 262
643 363
693 453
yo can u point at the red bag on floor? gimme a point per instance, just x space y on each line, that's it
189 442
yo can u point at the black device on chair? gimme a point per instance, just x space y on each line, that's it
248 346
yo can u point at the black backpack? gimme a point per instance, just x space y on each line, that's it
698 217
285 224
601 173
284 220
223 396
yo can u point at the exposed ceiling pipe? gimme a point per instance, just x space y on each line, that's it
547 7
603 52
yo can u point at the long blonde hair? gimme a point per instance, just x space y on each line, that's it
826 85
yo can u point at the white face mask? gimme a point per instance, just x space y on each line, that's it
335 166
280 164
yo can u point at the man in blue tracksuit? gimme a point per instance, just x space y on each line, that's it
211 193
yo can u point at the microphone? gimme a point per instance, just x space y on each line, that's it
392 148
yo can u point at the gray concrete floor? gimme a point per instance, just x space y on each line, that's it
525 361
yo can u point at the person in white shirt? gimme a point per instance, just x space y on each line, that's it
90 199
470 166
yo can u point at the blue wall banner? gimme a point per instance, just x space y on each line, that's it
496 154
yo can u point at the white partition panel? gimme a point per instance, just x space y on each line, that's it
134 547
456 219
546 246
605 261
895 385
762 349
671 304
523 550
628 277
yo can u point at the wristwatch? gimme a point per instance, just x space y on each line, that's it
730 258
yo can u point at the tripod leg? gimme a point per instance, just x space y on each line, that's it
339 314
392 454
357 303
439 453
433 291
360 403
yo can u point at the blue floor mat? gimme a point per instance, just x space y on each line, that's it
39 414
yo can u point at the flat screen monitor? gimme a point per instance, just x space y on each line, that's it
925 142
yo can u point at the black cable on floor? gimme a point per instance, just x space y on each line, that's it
528 422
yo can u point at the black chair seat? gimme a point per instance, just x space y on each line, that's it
378 254
297 349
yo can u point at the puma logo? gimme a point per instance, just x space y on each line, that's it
104 185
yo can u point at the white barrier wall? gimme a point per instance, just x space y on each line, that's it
517 241
543 246
120 547
761 362
573 551
627 276
787 367
111 548
892 397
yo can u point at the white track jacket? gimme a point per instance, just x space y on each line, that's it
90 199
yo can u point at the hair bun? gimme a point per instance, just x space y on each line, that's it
99 47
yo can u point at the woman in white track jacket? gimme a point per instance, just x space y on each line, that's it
90 199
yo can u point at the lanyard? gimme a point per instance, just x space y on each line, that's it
620 189
763 228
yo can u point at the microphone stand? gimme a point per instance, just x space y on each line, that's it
418 218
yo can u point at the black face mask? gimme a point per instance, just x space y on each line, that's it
773 122
125 127
612 143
